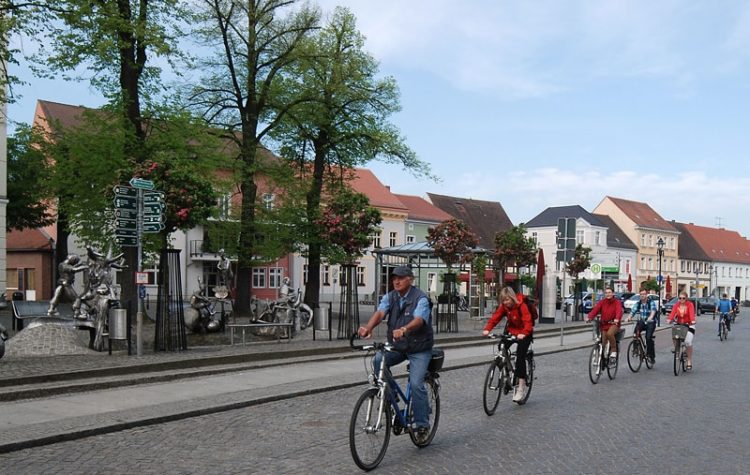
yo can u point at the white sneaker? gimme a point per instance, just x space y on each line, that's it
519 394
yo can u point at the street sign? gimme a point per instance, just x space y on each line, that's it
126 213
152 208
153 218
152 227
122 190
596 270
126 232
141 183
142 291
127 241
141 277
659 278
123 223
153 197
125 202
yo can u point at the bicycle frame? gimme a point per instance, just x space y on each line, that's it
386 382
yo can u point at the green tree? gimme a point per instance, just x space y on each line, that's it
651 285
28 178
340 120
256 42
452 241
580 262
514 249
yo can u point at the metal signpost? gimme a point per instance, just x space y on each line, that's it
138 209
566 248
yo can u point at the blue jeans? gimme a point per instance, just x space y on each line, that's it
418 363
650 328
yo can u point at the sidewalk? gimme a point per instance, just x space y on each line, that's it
232 377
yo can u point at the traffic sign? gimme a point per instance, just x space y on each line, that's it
125 202
142 291
127 241
141 183
152 227
125 223
152 208
126 213
659 278
122 190
153 218
153 197
126 232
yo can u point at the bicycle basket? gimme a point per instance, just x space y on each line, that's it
679 332
436 363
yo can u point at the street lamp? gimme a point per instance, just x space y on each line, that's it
660 252
697 275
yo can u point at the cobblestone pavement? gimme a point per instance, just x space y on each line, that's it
649 422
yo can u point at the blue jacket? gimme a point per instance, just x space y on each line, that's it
724 306
401 311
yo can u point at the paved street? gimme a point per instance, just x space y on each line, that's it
649 422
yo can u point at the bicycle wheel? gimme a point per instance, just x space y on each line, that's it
724 333
683 357
612 371
634 356
677 357
529 377
369 430
433 401
595 363
649 363
493 388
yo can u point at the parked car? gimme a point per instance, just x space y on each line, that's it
707 304
667 307
623 296
582 301
629 303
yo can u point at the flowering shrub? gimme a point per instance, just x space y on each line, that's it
346 224
452 241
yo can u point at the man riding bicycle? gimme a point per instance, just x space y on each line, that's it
645 312
723 308
611 311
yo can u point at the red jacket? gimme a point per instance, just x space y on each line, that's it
611 310
519 318
684 316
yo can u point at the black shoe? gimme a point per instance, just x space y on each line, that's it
423 433
652 361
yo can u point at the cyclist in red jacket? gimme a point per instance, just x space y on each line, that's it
611 311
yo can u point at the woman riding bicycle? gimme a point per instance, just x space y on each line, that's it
611 311
684 313
520 325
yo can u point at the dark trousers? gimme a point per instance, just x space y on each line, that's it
650 328
522 349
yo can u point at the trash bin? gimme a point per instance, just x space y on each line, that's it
321 318
118 324
17 295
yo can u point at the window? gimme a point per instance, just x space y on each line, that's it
643 262
274 277
431 282
410 239
392 238
268 200
375 241
360 276
671 243
304 273
579 236
224 203
651 240
730 272
682 266
326 270
534 238
627 266
597 238
643 240
259 277
411 226
650 263
11 278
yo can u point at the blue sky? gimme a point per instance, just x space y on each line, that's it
552 103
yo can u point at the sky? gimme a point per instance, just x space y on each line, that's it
557 102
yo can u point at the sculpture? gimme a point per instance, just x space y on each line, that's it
202 317
100 273
66 271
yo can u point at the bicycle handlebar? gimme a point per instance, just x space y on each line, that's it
374 345
502 336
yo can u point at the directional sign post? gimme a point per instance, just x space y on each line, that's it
141 184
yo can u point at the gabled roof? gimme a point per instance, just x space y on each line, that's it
718 244
615 236
484 218
688 247
642 214
28 240
364 181
549 216
422 210
65 114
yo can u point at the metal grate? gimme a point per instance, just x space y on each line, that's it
170 329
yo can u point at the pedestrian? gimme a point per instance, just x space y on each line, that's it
684 313
644 311
410 334
521 325
610 309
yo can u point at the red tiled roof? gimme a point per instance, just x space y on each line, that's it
720 245
380 196
484 218
422 210
27 240
642 214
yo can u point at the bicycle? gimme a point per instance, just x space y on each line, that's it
637 353
679 332
723 330
377 412
500 378
598 360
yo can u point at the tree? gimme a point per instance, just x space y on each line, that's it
28 178
514 249
258 42
452 241
651 285
581 261
340 120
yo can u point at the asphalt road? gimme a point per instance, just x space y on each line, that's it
649 422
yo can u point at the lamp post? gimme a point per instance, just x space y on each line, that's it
697 275
660 252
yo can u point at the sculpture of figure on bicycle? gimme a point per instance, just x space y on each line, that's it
66 277
201 317
409 315
644 311
521 325
610 309
684 314
99 284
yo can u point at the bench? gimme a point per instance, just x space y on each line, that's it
245 326
37 310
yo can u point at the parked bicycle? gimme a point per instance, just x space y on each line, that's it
500 377
637 353
599 358
379 410
679 333
723 326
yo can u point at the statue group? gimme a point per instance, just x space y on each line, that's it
99 294
203 316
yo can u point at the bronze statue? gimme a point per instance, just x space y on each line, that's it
67 273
